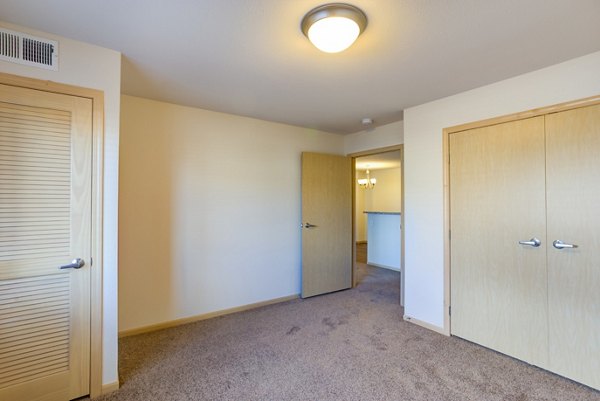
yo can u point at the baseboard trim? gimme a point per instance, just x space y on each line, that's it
426 325
397 269
204 316
110 387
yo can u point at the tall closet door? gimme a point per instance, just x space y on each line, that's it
573 185
497 198
45 223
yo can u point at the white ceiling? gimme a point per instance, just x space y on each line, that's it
378 161
249 57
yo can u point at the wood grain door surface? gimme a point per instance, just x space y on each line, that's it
537 177
327 205
45 222
497 198
573 187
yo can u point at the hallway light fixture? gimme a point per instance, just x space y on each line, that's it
367 183
334 27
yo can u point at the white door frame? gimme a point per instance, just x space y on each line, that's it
97 98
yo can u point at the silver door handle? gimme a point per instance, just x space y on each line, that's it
75 264
308 225
558 244
534 242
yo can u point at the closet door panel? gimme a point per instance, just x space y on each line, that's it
497 197
573 186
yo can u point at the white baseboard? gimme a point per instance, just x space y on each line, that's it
426 325
384 266
110 387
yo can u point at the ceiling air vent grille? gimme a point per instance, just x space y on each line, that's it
28 50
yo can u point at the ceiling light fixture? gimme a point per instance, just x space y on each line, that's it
367 183
333 27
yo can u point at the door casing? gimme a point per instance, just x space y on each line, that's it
96 299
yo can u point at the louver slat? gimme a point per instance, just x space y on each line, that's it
34 327
35 207
35 181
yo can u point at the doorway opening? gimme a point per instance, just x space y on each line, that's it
378 218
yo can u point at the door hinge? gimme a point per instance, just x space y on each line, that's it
91 261
450 311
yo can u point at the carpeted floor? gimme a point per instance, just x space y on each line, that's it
350 345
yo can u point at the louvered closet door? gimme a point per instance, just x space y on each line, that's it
497 197
45 222
573 183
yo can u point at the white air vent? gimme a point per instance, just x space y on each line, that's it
29 50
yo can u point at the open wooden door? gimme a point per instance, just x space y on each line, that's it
326 223
45 223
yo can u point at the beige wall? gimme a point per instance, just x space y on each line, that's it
210 210
93 67
360 221
385 197
380 137
387 194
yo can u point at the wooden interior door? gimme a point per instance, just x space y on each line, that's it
327 223
45 222
573 185
497 198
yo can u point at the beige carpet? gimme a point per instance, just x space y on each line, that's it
350 345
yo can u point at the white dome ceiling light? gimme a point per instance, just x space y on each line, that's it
333 27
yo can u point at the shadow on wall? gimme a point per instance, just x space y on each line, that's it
145 227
